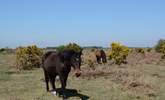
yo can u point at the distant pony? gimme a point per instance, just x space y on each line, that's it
100 56
55 63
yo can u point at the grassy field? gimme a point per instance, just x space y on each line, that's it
106 82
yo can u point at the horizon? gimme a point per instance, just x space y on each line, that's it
89 46
134 23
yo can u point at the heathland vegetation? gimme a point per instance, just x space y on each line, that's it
129 74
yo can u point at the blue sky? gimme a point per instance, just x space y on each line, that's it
137 23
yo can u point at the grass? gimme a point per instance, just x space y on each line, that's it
126 82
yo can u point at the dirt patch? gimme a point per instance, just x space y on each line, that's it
135 58
158 76
13 98
136 84
93 73
12 72
151 95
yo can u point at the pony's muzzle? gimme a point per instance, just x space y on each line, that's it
77 73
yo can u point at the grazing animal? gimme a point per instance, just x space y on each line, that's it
56 63
100 56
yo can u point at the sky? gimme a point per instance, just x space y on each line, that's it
135 23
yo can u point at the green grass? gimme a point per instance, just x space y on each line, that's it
148 83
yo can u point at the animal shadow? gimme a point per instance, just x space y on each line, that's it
72 93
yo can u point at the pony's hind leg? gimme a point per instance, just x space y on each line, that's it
46 80
98 60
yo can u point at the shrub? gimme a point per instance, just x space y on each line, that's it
28 57
110 57
159 45
70 46
162 50
73 46
131 50
118 53
140 50
93 50
91 64
149 49
2 50
6 50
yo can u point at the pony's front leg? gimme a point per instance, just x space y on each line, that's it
63 86
63 83
52 79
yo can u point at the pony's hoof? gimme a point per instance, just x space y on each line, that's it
64 97
54 92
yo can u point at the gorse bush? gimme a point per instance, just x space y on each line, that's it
140 50
159 45
73 46
149 49
90 63
118 53
28 57
70 46
162 50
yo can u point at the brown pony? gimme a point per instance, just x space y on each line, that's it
54 63
100 56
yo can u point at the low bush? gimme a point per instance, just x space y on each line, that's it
140 50
93 50
6 50
159 45
2 50
162 50
90 63
28 57
149 49
118 53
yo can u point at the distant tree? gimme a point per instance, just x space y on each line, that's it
61 48
70 46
